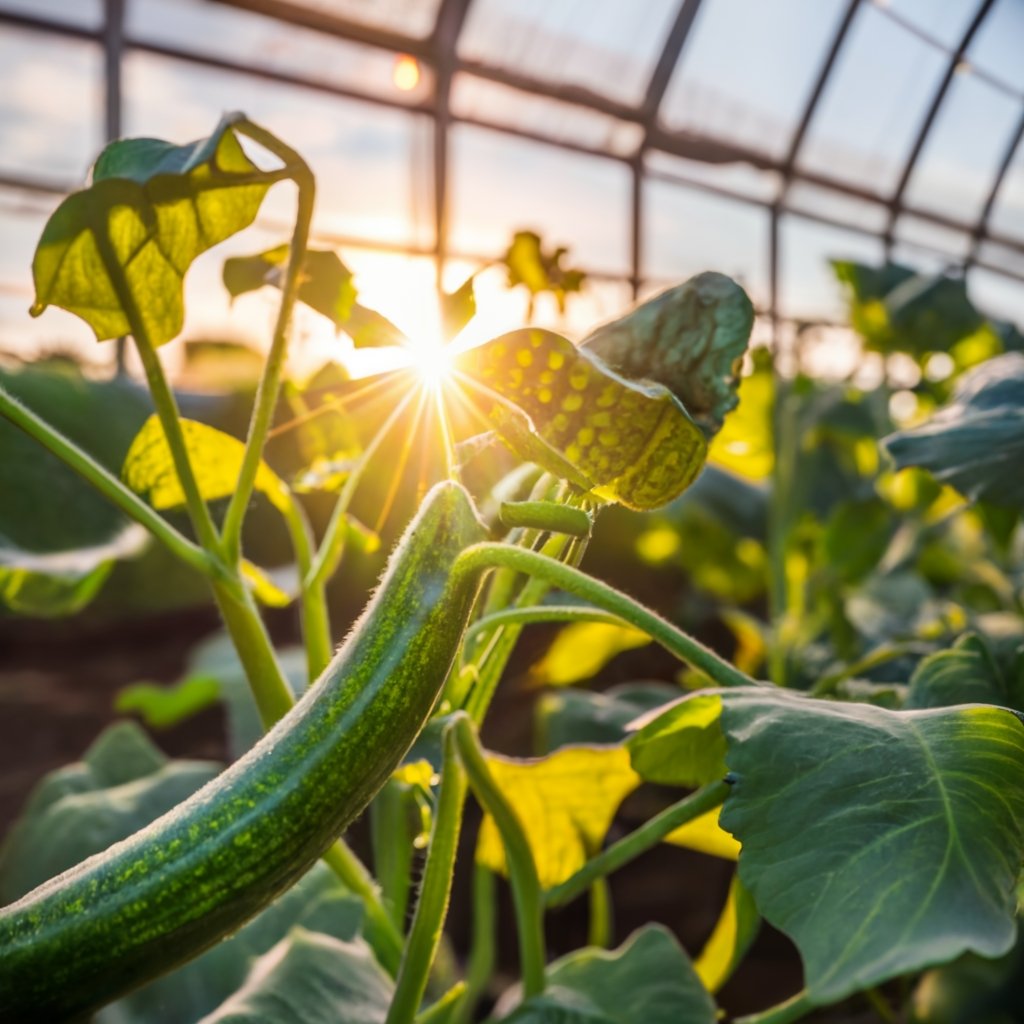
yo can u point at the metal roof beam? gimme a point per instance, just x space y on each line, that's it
981 228
667 61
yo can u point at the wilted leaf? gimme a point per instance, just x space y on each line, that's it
746 443
310 978
151 209
648 978
880 842
122 784
58 583
325 285
682 744
736 929
976 443
565 803
690 338
582 649
216 461
582 716
458 307
629 442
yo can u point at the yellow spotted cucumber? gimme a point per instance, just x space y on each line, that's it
165 894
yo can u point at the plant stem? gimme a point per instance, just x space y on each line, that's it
638 841
331 547
442 1010
482 952
685 647
107 484
542 613
435 892
599 931
270 380
791 1010
391 843
522 870
316 625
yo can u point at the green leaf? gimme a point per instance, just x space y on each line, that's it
161 707
58 583
735 931
122 784
310 978
976 443
648 978
964 674
880 842
582 649
317 903
565 803
151 209
216 460
528 264
325 285
628 441
582 716
690 338
682 744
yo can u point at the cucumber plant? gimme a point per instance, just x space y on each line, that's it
883 840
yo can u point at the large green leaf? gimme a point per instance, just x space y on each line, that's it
964 674
690 338
325 284
317 903
58 583
628 441
880 842
976 443
648 978
122 784
151 209
310 978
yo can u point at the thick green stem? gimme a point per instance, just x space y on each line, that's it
392 844
107 484
523 616
316 624
522 871
270 380
601 926
435 892
444 1009
785 1013
541 567
638 841
482 951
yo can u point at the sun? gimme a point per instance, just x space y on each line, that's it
432 361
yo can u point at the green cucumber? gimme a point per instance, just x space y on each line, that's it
165 894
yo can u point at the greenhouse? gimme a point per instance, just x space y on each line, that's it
510 510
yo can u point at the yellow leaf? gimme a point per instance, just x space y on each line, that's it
216 460
582 649
565 803
735 931
705 835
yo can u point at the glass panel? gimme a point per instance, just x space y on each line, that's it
748 69
825 202
997 296
606 46
477 99
808 288
963 150
1007 216
406 17
873 104
500 184
943 240
372 164
739 178
1001 257
924 261
221 31
945 22
997 46
85 13
686 231
50 106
